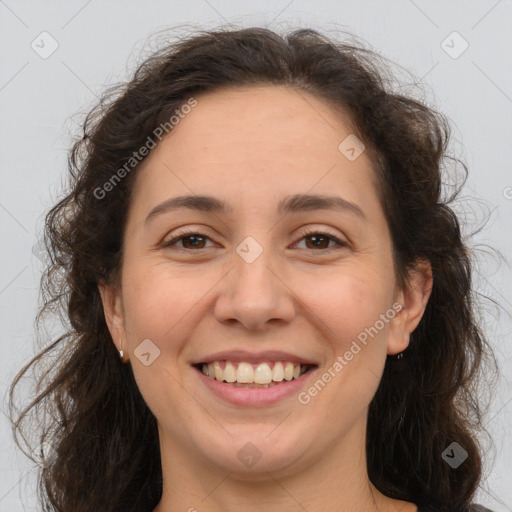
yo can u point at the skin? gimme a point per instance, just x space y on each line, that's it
251 147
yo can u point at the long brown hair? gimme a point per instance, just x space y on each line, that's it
104 439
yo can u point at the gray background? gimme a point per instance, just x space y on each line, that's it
100 42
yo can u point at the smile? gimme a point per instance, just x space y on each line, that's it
253 384
263 374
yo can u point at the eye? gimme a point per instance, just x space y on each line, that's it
318 240
196 240
194 237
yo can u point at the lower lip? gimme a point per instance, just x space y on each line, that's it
254 397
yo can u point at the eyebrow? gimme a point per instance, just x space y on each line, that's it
290 204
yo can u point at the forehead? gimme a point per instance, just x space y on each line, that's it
256 142
247 118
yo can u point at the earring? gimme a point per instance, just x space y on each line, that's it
400 368
121 352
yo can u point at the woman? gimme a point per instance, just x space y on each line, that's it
270 302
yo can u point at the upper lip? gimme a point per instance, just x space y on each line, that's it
254 357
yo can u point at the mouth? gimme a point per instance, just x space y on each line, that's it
242 374
259 384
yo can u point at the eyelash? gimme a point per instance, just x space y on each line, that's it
185 234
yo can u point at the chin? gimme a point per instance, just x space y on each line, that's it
253 453
276 464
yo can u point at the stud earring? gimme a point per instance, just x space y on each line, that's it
121 352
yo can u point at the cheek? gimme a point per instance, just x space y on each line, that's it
348 302
351 320
157 302
157 306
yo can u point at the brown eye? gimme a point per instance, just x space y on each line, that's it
319 242
190 241
194 240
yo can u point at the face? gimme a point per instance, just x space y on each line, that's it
254 283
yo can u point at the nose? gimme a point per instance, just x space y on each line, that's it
254 294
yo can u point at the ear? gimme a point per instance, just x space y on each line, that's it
111 298
413 299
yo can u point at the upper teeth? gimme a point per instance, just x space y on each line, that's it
248 373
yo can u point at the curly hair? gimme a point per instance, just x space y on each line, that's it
105 439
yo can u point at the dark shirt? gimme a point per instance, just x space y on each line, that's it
474 508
